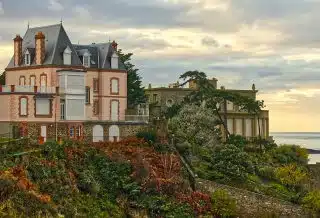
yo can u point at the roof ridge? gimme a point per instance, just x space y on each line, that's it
55 44
44 26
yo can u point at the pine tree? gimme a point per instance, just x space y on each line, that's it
135 90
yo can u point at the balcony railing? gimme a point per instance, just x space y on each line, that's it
123 118
28 89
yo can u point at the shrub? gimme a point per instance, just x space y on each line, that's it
266 172
237 140
312 202
200 202
291 175
287 154
233 163
222 204
148 136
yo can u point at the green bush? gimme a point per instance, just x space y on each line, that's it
232 162
222 204
287 154
291 175
237 140
148 136
312 202
266 172
163 206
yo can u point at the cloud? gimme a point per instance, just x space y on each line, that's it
273 44
1 8
208 41
55 5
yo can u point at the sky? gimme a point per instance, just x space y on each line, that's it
274 44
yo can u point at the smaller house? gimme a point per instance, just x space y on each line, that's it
238 122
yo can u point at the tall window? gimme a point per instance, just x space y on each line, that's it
62 110
71 132
95 85
67 56
96 107
87 95
114 110
43 80
27 59
86 60
32 80
22 81
115 86
23 107
78 131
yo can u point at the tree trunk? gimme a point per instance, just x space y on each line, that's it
223 120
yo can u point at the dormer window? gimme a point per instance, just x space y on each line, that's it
86 59
27 58
67 56
114 61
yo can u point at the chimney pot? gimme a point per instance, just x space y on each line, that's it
114 45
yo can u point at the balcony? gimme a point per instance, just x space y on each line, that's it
123 118
28 89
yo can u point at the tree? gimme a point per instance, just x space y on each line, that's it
195 125
214 98
3 78
135 91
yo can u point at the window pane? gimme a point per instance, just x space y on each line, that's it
22 81
87 95
42 106
114 86
23 106
32 81
114 110
43 80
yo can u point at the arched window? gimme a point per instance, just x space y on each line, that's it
114 84
23 106
22 81
32 80
67 56
43 80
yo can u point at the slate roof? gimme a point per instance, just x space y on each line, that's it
57 40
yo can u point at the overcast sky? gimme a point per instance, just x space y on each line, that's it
274 44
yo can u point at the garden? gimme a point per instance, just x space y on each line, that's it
74 179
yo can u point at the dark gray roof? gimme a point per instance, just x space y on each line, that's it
100 54
57 40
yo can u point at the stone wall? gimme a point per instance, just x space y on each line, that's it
252 204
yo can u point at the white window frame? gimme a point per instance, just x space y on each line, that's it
25 107
27 58
67 56
115 86
37 107
86 55
62 110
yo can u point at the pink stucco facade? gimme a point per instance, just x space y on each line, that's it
104 95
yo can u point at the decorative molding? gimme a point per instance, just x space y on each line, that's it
109 96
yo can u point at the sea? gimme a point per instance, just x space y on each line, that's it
309 140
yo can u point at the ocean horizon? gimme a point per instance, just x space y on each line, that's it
310 140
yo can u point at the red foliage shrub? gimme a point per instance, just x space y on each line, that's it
200 202
150 169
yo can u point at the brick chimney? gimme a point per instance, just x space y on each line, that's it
17 50
40 48
114 45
